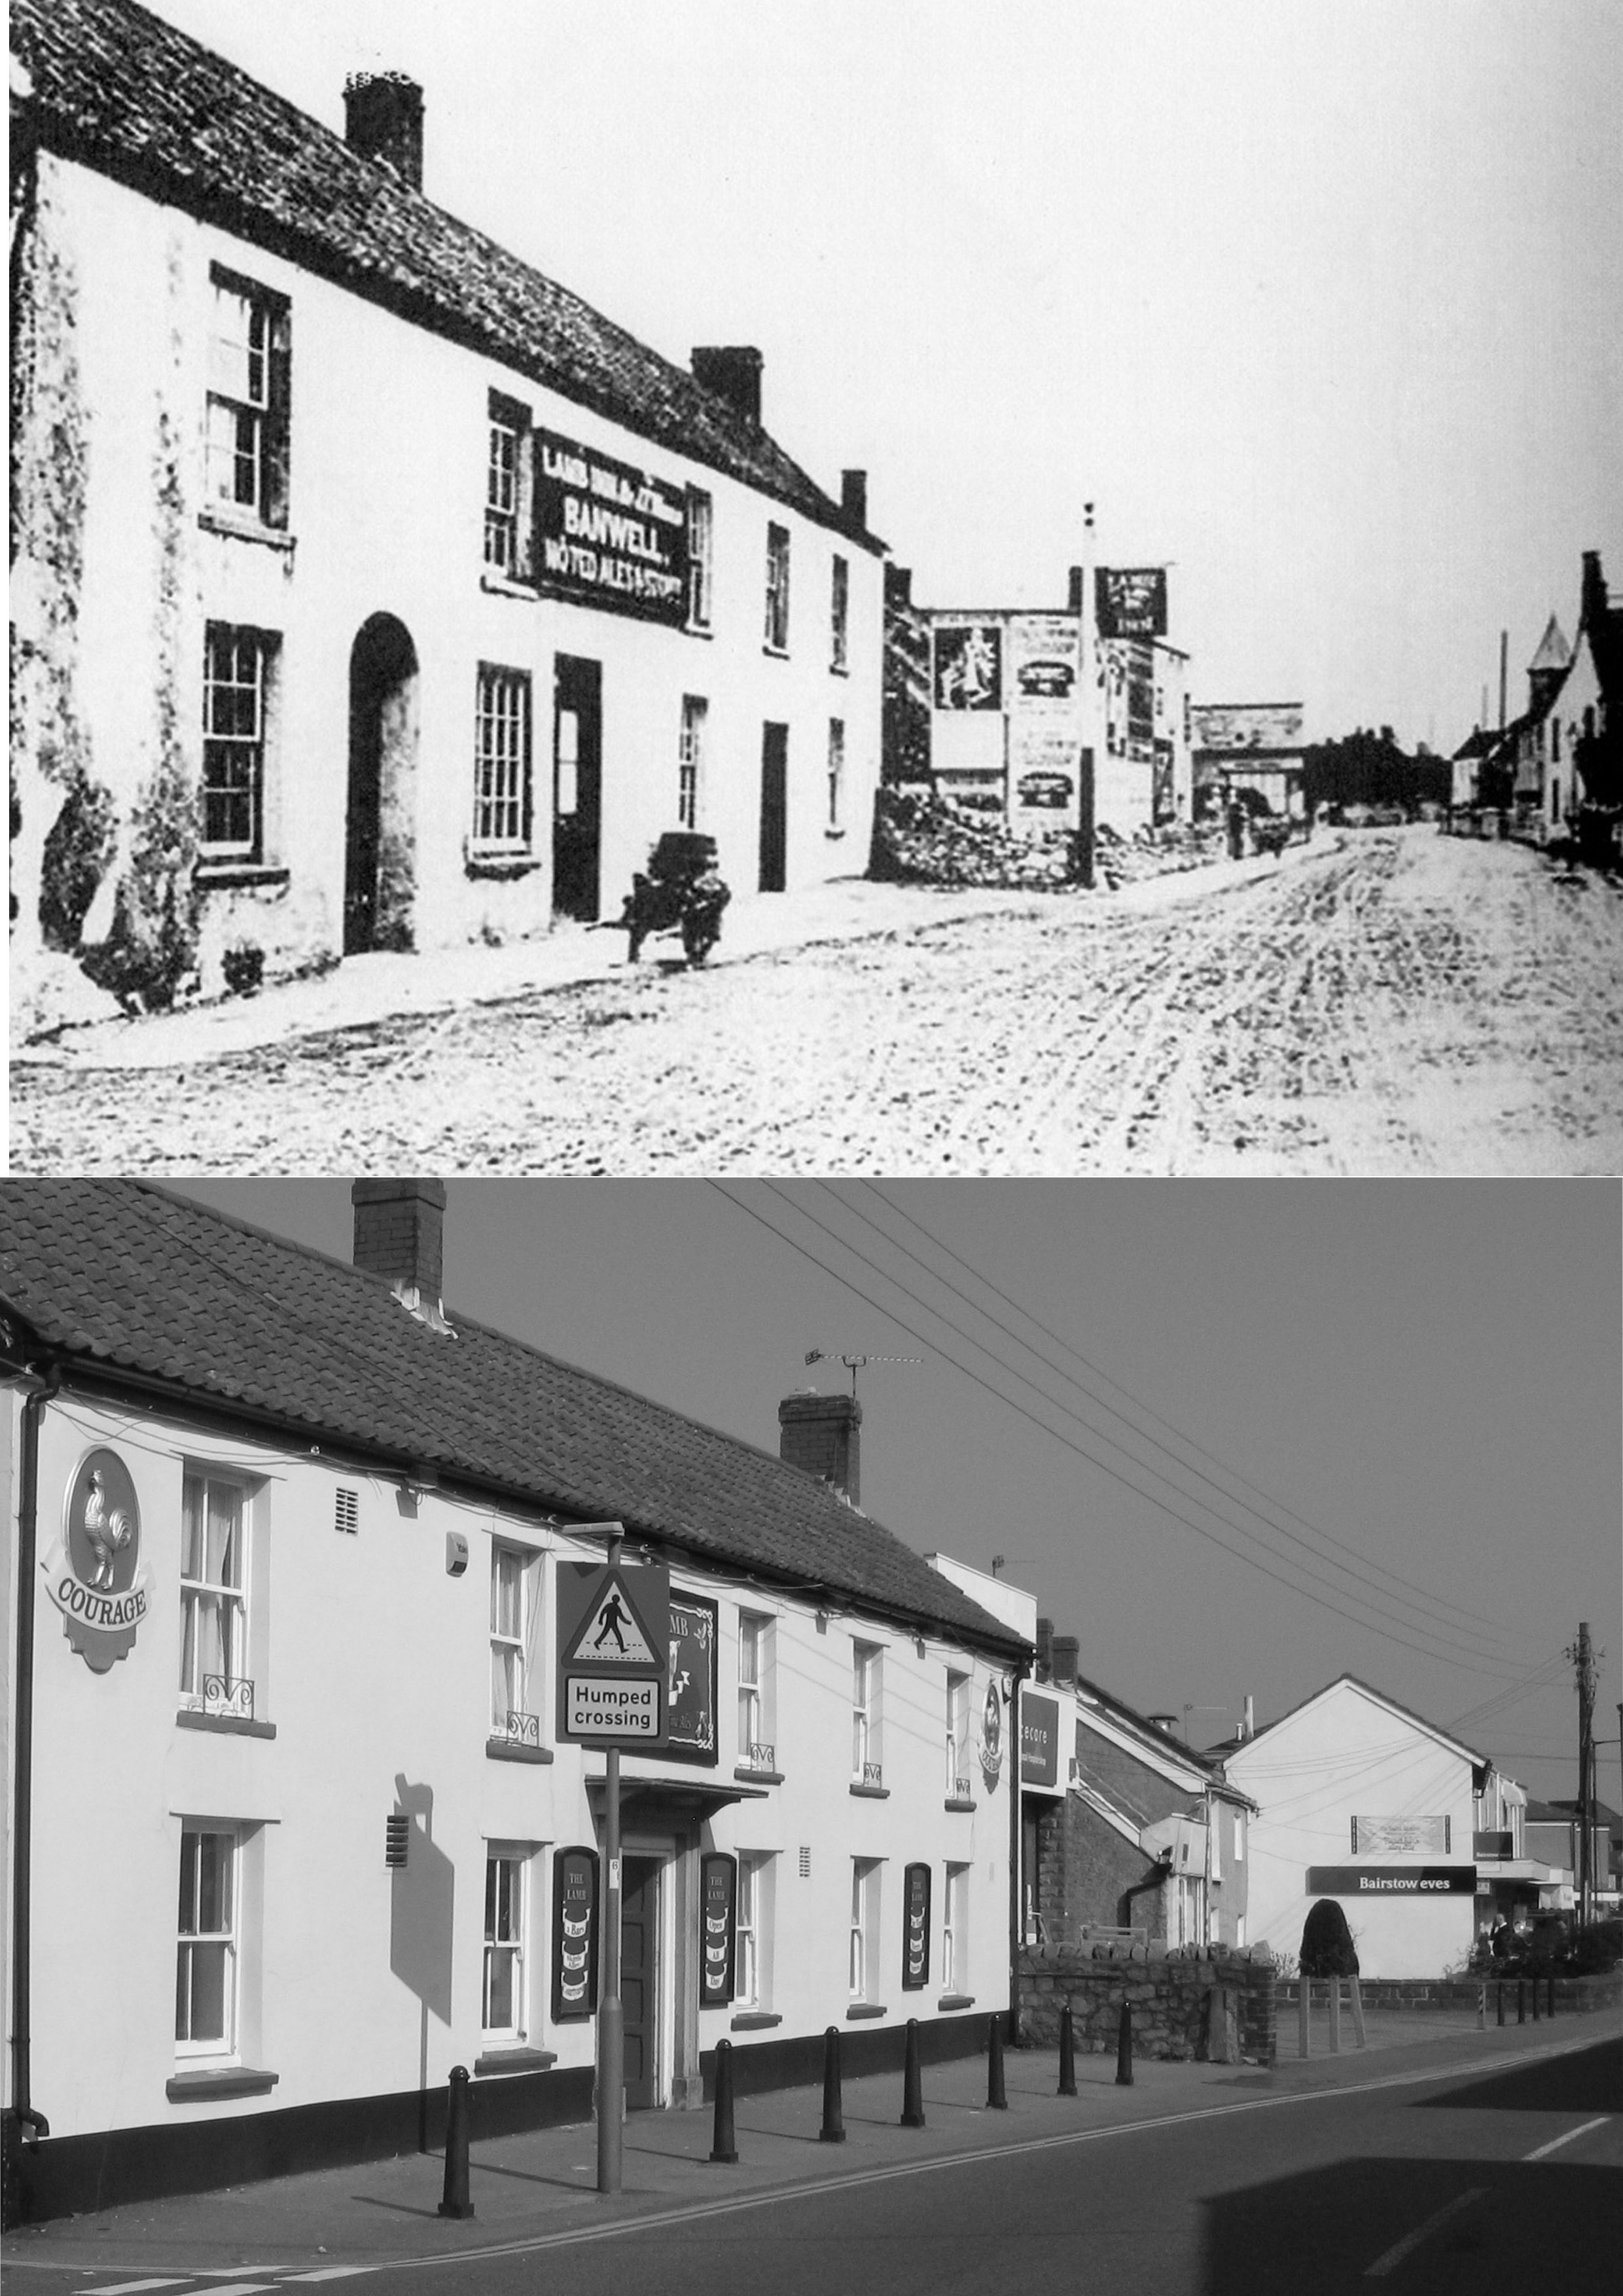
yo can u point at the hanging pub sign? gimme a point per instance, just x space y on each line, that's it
574 1934
1130 602
969 667
915 1929
1039 1739
718 1913
94 1573
690 1729
609 535
613 1654
991 1735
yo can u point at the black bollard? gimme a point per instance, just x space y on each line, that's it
1549 1999
1535 2000
1067 2054
997 2102
1521 2001
833 2131
913 2092
1502 2001
456 2203
1124 2049
724 2148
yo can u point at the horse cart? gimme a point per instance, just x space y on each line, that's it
679 892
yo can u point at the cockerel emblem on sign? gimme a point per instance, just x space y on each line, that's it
95 1574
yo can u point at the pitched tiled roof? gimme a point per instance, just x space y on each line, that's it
117 88
126 1277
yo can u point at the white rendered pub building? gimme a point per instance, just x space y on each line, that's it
283 1540
370 590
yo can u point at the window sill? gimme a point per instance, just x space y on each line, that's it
762 1777
869 1793
839 670
833 836
225 2080
776 654
507 585
501 1750
234 1726
751 2020
957 1805
517 2060
956 2001
859 2009
223 876
699 629
247 529
501 869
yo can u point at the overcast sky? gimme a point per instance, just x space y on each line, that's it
1424 1378
1321 305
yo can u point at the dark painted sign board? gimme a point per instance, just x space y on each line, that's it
718 1911
1039 1739
690 1729
1392 1880
915 1929
608 535
1131 602
574 1934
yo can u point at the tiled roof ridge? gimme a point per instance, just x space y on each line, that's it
754 459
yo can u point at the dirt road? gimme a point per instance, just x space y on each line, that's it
1398 1002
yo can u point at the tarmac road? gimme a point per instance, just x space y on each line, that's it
1387 1002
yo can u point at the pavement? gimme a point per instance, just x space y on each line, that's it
538 2190
384 984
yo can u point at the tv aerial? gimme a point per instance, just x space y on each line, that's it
854 1364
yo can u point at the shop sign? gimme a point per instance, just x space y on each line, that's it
915 1929
689 1728
991 1735
609 535
1039 1740
574 1934
1402 1837
1391 1881
94 1573
1130 602
969 667
613 1654
718 1911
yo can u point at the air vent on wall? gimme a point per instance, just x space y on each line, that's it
806 1862
347 1510
397 1837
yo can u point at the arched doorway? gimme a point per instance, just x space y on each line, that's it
380 827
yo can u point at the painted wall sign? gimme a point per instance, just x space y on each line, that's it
969 667
690 1729
718 1914
1043 657
991 1735
915 1929
574 1934
94 1573
1039 1739
1130 602
1390 1881
1402 1837
609 535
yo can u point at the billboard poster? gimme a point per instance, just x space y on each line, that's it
719 1903
1402 1837
1130 602
574 1934
968 667
609 535
691 1730
1043 658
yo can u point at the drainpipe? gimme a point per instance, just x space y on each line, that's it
1015 1923
28 2124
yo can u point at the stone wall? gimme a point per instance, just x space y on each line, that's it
1213 2010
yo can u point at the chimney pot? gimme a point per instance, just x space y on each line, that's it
383 120
1247 1728
1044 1649
399 1234
734 372
1065 1648
853 497
820 1434
1076 596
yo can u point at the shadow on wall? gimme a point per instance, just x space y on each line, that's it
421 1907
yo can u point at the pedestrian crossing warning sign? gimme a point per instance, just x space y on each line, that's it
614 1652
616 1629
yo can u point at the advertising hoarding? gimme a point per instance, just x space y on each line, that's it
609 535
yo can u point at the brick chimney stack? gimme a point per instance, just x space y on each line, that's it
383 120
399 1235
1044 1650
733 371
853 497
822 1433
1065 1648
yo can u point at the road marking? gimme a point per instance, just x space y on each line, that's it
335 2272
131 2287
1556 2142
699 2212
1411 2240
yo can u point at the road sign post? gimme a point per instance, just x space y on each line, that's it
613 1677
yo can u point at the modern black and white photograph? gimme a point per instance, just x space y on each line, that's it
949 1734
816 587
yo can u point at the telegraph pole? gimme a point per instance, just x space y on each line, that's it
1583 1663
610 2014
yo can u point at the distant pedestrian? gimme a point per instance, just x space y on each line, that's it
1236 830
